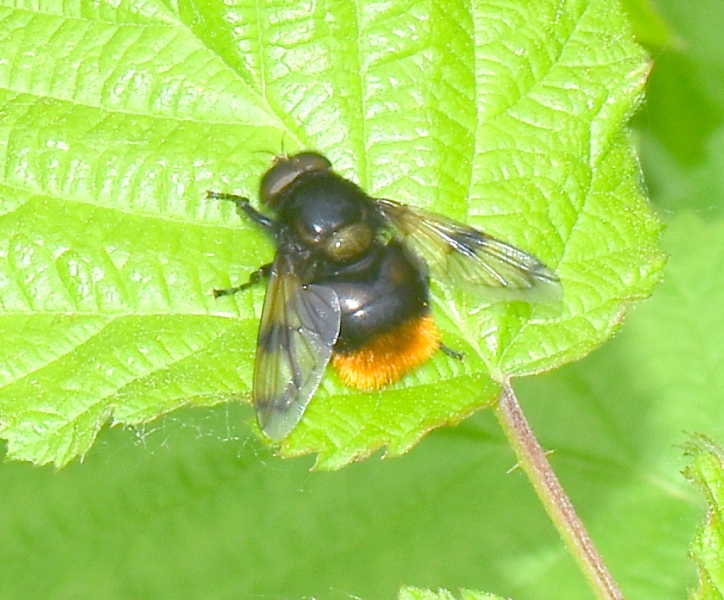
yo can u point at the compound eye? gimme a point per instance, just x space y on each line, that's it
285 171
349 242
311 161
275 180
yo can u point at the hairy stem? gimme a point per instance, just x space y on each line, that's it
535 463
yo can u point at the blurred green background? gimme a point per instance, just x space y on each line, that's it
193 507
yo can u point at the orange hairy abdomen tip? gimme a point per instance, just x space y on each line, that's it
386 358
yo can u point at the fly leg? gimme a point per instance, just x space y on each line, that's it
261 273
243 208
452 353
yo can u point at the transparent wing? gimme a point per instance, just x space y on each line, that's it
299 327
470 258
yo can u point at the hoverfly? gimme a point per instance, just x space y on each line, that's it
349 284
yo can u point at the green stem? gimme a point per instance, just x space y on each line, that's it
535 463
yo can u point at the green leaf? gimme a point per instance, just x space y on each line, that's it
707 550
509 117
649 25
683 107
209 514
410 593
